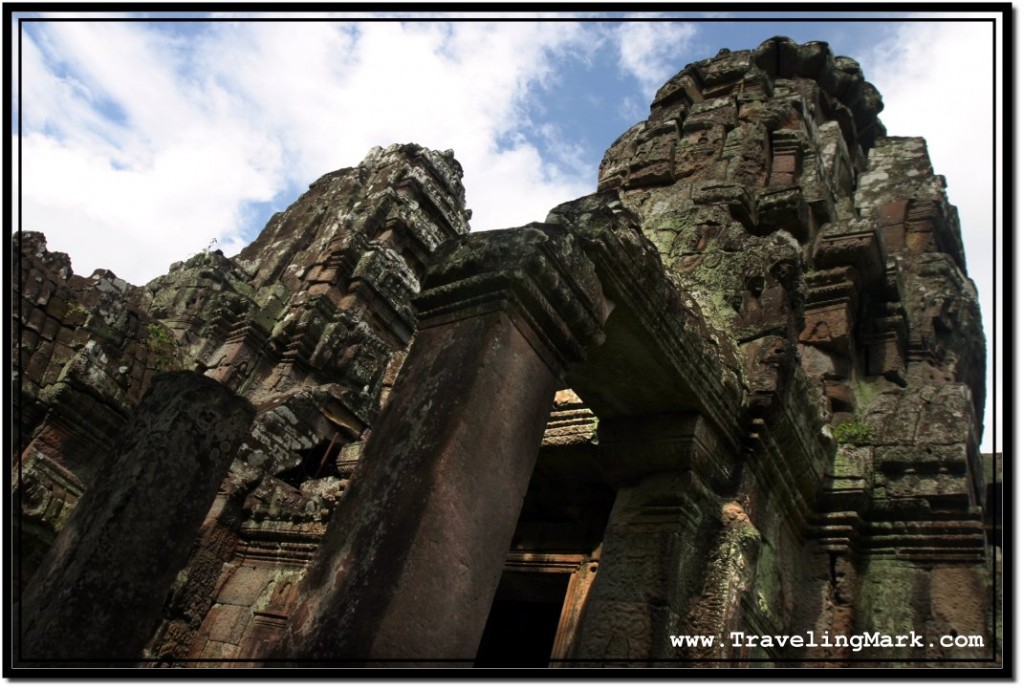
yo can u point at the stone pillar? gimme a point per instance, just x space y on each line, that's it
638 596
414 552
655 554
97 596
729 571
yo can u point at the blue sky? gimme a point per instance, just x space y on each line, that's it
143 141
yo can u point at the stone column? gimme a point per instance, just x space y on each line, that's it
97 596
659 539
414 552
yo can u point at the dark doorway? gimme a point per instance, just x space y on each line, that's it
523 622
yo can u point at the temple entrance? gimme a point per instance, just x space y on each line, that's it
553 556
523 623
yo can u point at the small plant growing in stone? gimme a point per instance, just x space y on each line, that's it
856 433
160 342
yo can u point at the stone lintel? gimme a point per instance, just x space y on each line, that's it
659 355
633 447
323 410
833 284
538 275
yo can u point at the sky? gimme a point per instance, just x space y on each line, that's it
145 139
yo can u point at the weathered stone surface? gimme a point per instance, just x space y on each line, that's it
310 348
651 567
96 595
411 558
727 578
85 351
830 259
324 313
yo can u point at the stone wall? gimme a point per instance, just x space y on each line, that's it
309 324
830 256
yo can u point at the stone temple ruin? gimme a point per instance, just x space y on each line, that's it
736 390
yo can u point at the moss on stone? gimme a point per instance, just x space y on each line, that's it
855 433
160 342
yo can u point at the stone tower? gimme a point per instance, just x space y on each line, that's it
734 393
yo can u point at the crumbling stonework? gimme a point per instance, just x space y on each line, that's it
309 324
767 368
105 578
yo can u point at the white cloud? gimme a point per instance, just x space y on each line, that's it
649 51
155 141
129 161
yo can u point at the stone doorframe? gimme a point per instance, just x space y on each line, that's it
415 550
581 569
